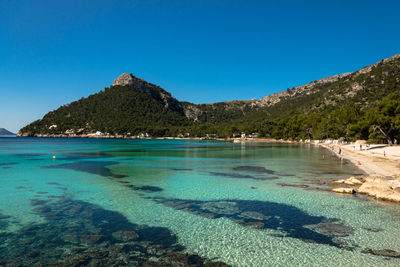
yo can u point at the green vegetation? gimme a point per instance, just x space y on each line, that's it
116 110
362 105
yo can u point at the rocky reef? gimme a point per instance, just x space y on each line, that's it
77 233
288 220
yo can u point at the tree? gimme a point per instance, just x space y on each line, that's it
385 119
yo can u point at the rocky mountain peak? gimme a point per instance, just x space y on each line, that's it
152 90
129 79
124 79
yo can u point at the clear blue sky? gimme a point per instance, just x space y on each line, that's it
55 52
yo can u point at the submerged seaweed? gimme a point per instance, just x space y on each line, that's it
290 220
254 169
145 188
92 167
241 176
4 221
8 163
77 233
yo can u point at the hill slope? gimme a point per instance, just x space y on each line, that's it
115 110
350 105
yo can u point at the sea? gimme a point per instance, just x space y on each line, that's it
128 202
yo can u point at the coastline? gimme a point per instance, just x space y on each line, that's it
381 163
377 160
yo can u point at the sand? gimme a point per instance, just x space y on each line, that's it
380 162
375 160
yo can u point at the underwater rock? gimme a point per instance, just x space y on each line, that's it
3 217
82 156
253 215
254 169
374 230
20 187
222 207
255 224
4 223
276 235
77 233
62 188
125 235
35 202
119 176
290 220
382 252
8 163
28 154
241 176
92 167
294 185
232 175
333 229
216 264
145 188
180 169
91 239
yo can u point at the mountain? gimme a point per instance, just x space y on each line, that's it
360 104
153 91
130 105
5 132
369 83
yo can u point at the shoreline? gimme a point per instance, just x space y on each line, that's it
371 160
380 163
92 136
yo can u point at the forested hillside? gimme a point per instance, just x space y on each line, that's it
361 105
115 110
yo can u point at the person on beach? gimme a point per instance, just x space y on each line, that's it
360 147
384 153
340 151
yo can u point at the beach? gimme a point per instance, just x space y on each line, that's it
375 160
381 163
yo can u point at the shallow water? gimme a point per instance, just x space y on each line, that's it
130 202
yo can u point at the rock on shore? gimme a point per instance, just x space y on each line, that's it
381 188
344 190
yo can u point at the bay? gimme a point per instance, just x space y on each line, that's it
141 201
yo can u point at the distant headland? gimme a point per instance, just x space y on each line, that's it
5 132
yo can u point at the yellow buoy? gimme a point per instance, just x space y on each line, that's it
54 157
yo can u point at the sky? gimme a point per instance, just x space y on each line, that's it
55 52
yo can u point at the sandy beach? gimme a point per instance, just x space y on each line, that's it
375 160
381 163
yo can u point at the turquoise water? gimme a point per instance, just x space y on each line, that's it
131 202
